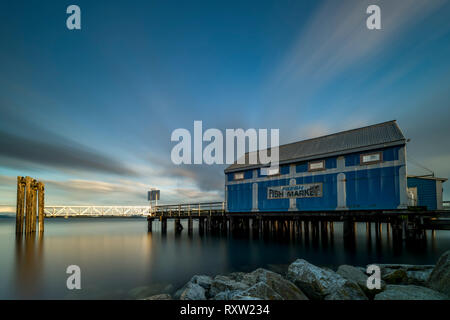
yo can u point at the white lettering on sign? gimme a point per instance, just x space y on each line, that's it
310 190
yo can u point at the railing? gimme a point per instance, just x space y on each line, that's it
446 205
203 208
126 211
189 209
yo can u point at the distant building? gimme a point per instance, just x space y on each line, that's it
426 191
360 169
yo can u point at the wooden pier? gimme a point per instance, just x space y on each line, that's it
212 217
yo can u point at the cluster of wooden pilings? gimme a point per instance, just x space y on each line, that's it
30 205
320 227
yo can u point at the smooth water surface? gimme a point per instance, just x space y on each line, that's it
119 259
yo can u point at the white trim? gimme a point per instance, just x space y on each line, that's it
385 164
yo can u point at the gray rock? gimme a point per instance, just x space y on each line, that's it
411 292
147 291
163 296
193 291
223 283
285 288
419 277
259 290
360 278
394 276
318 283
440 276
202 280
406 267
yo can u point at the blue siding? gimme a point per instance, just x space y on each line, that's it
239 197
426 192
389 154
366 189
329 199
373 189
284 169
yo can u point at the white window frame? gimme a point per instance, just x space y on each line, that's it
371 154
311 163
238 176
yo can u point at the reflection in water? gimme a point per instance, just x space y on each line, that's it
29 259
119 259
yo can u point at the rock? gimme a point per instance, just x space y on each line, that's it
259 290
193 291
147 291
318 283
397 276
405 273
202 280
163 296
406 267
360 278
411 292
285 288
418 277
223 283
440 276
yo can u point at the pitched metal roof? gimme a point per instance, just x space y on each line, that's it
356 140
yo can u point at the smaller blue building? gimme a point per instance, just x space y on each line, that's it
426 191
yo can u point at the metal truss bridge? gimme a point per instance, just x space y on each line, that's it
176 210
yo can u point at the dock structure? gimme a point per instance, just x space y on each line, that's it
212 217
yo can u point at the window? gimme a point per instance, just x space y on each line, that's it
268 171
239 176
316 165
370 158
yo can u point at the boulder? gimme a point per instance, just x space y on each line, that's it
356 275
396 276
163 296
318 283
405 273
285 288
440 276
411 292
259 290
193 291
202 280
223 283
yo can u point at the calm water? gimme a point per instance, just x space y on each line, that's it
119 259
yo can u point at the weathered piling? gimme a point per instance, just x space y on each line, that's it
163 224
20 204
33 205
28 204
41 203
178 226
150 224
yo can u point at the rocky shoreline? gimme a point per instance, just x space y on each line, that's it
305 281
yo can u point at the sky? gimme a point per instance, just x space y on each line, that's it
90 112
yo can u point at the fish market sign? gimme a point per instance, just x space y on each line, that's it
310 190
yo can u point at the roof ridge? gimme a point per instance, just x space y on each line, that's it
340 132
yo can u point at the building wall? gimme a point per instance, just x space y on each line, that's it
426 191
346 185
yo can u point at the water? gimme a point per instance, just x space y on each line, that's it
119 259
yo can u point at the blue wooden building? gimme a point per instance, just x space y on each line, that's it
360 169
426 191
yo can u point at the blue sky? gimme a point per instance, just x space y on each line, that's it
90 112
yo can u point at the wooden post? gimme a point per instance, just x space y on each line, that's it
20 204
33 205
41 206
28 206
